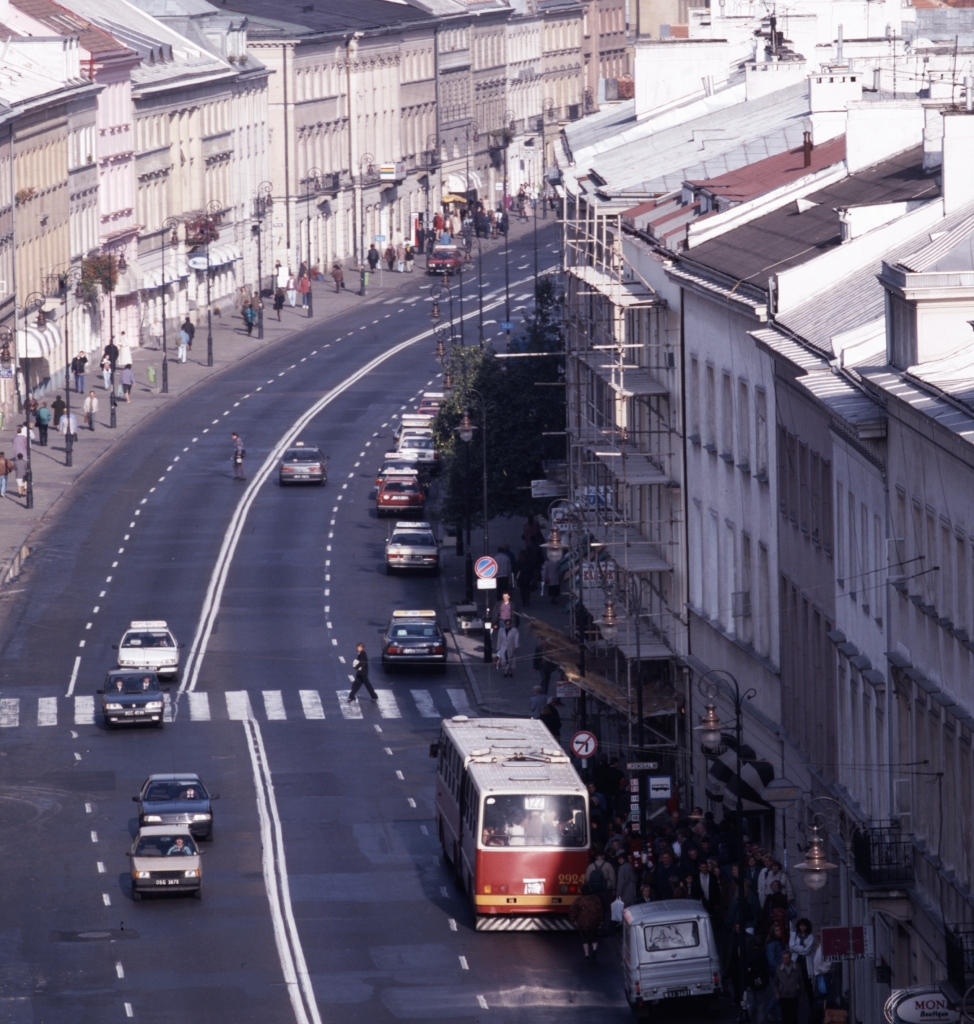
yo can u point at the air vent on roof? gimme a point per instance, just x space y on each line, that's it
804 205
596 177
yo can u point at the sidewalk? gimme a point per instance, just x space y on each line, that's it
52 479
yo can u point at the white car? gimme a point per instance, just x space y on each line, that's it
149 643
420 449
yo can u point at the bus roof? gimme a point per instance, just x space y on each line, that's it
517 755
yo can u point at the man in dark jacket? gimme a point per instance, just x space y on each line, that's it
787 988
361 666
373 257
190 328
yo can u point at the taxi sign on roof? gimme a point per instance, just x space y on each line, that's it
299 444
414 615
401 471
408 524
148 624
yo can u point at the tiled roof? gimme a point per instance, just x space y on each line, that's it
64 22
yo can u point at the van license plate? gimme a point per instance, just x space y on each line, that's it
677 993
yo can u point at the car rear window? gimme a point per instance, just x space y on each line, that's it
417 442
414 629
303 455
175 791
166 846
134 683
414 540
681 935
399 487
138 639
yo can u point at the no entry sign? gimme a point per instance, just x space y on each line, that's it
485 568
584 744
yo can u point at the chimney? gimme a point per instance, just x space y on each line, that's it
807 148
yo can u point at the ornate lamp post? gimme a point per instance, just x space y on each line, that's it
263 201
34 303
366 166
505 135
214 209
116 265
68 283
314 187
824 814
169 225
431 162
711 738
438 292
465 431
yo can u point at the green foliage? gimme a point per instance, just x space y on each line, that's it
518 415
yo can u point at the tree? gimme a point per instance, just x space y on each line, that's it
519 415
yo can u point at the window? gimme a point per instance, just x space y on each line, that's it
727 419
711 399
826 514
743 427
764 601
761 434
695 399
804 491
536 819
663 937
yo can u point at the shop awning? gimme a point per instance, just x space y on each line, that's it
722 782
131 280
37 342
452 197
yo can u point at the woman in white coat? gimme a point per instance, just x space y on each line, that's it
506 647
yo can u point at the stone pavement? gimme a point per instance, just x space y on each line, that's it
52 479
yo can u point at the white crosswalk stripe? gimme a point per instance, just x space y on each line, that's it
458 698
424 702
47 711
238 705
311 704
274 706
388 707
9 712
350 709
166 708
84 710
199 706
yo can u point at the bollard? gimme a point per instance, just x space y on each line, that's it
150 373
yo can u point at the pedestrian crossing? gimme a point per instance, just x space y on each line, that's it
244 705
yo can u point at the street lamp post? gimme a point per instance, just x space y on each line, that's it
508 134
480 292
711 738
465 430
116 258
263 201
34 303
69 282
314 186
483 437
366 166
437 293
169 226
825 814
432 156
214 208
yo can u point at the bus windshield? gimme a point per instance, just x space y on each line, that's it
535 820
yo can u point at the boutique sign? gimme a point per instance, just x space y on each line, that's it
926 1005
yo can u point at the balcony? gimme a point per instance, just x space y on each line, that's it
884 856
960 958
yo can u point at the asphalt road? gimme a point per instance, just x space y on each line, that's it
324 894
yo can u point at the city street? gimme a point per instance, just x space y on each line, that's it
324 888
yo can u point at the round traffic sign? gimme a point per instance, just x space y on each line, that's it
485 568
584 744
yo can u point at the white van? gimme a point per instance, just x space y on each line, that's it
668 952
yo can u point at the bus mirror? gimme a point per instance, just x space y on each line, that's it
434 750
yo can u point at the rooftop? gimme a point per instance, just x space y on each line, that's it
295 17
787 238
64 22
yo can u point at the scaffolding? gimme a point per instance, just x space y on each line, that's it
625 466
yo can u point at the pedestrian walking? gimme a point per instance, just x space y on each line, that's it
78 365
183 344
410 258
190 328
128 380
338 276
508 640
279 302
600 876
155 334
42 418
551 579
802 947
57 408
536 702
250 318
625 880
401 258
89 408
6 468
586 914
68 425
292 290
280 274
389 255
111 350
239 453
787 984
505 569
504 612
124 357
373 257
106 370
304 286
361 667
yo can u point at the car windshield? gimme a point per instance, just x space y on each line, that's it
147 639
132 683
303 455
535 820
681 935
399 487
181 845
413 629
184 790
414 540
424 443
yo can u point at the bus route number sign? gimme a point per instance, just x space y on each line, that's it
584 744
485 568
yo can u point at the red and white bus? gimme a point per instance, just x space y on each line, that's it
512 816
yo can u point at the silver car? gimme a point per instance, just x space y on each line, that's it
412 546
165 859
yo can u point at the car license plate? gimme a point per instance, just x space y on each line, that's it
167 881
421 650
677 993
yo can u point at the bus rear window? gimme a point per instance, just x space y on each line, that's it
535 820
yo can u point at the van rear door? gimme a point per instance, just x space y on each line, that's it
674 959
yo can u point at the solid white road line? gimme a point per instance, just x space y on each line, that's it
289 948
47 711
199 707
311 704
349 709
388 707
238 705
84 710
458 698
425 703
274 706
74 676
9 712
